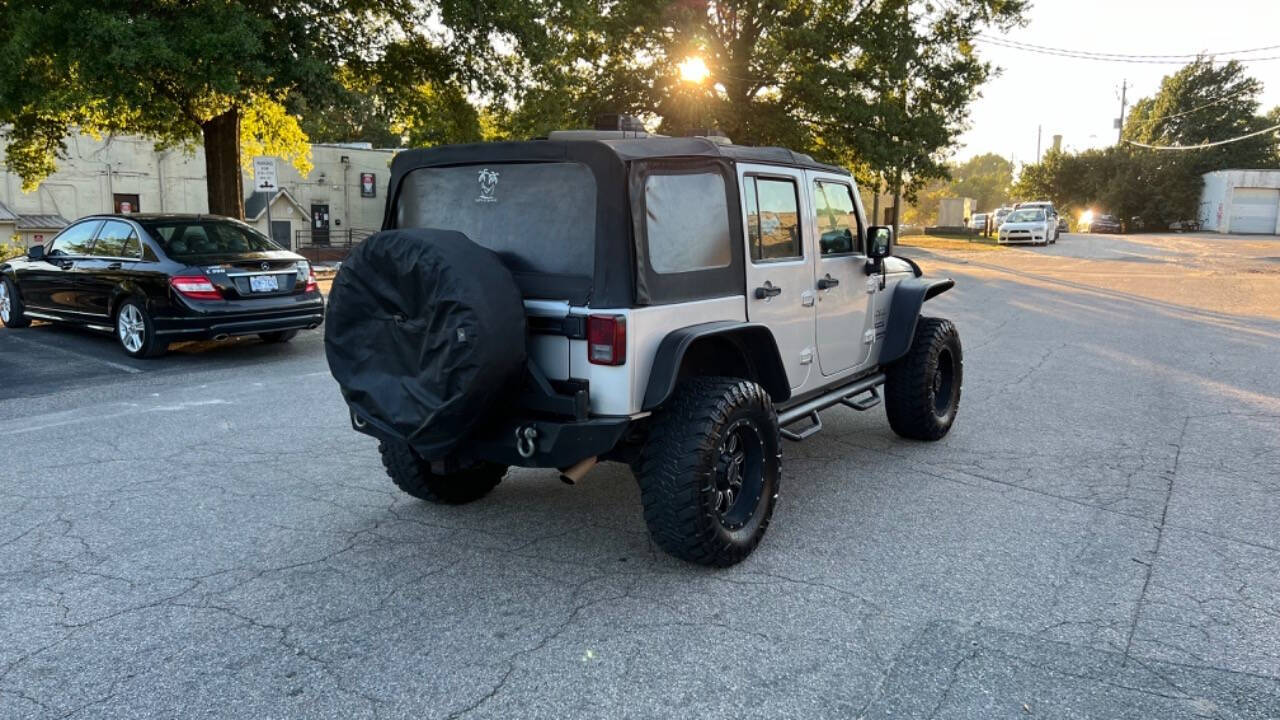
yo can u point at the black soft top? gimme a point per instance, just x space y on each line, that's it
614 281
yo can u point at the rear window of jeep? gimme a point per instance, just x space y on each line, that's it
540 217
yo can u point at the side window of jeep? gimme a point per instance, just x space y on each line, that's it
836 219
773 219
686 221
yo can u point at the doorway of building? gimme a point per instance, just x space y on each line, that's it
319 224
280 231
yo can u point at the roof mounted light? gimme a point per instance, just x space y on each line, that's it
619 121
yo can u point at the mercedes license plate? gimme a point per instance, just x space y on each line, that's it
263 283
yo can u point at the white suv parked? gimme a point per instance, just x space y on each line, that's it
677 304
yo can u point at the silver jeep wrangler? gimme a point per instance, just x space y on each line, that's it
678 304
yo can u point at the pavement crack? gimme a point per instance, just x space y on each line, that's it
1170 475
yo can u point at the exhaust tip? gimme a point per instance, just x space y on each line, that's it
313 326
220 337
571 475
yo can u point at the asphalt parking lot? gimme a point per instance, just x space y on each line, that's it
204 536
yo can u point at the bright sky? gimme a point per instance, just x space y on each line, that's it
1079 99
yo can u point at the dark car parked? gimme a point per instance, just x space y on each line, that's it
156 279
1104 224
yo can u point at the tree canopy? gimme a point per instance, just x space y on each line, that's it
1126 182
987 178
207 71
870 84
1202 102
881 86
1206 102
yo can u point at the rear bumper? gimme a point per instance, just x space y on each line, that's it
554 444
195 321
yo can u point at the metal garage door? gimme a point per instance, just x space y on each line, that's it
1254 210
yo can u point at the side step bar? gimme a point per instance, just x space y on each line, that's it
843 395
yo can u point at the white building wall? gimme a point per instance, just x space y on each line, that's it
954 212
174 181
1217 195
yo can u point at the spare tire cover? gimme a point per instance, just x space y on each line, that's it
424 330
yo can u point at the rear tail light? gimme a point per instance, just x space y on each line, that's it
607 339
196 287
306 276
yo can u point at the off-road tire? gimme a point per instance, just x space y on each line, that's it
17 319
921 396
413 475
277 336
684 468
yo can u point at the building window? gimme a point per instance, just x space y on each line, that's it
126 203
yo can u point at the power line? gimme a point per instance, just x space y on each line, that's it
1211 103
1102 57
1204 145
1127 56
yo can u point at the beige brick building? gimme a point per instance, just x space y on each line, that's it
342 196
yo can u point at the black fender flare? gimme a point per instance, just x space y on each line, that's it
754 341
904 310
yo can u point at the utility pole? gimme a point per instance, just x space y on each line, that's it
897 178
875 202
1039 131
1124 88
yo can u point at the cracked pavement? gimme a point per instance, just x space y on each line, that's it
204 536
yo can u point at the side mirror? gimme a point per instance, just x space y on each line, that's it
35 252
879 242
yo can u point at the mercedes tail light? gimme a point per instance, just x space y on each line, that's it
195 287
306 276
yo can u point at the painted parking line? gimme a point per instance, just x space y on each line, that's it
73 353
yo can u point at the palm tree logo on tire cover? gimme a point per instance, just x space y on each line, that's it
488 184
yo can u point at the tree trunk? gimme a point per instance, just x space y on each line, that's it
222 164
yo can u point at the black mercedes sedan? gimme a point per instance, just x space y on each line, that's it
155 279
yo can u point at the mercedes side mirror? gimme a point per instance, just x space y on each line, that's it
879 242
35 252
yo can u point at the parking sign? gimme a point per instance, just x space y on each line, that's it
264 174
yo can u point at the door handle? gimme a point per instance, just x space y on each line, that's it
768 290
114 266
827 282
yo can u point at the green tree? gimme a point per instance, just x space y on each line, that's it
411 96
1206 102
985 178
214 72
870 84
1127 182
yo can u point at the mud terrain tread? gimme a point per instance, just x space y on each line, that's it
906 397
680 456
414 477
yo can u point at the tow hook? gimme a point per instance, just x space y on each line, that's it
572 474
526 441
